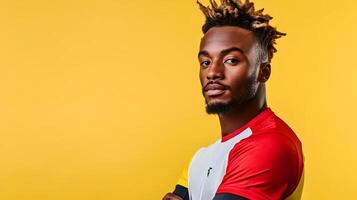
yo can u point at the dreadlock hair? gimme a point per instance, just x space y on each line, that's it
237 13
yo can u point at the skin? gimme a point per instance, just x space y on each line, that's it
228 59
228 56
170 196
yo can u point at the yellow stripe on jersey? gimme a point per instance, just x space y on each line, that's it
183 180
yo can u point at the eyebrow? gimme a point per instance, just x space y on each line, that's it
223 52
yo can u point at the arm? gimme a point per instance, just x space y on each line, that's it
170 196
226 196
180 193
181 189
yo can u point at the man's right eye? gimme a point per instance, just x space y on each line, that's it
205 63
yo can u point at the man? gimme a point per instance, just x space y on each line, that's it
258 157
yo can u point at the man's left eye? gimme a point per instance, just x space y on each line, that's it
232 61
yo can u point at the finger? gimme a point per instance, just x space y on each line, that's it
170 196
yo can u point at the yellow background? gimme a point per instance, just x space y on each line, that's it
100 99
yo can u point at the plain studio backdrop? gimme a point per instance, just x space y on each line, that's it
100 99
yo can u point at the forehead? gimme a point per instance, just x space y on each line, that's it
218 38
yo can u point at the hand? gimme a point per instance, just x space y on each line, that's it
170 196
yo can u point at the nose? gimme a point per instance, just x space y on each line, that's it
215 71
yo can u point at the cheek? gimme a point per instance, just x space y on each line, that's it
202 77
237 75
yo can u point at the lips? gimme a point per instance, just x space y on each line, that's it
214 89
214 92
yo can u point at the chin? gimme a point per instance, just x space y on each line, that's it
219 107
218 100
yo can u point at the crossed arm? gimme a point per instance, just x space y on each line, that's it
181 193
171 196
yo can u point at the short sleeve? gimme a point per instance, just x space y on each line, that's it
266 166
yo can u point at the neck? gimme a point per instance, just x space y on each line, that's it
241 114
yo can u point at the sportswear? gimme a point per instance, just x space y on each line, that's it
261 160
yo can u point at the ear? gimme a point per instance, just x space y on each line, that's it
264 72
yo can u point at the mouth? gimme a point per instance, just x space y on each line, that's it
214 89
214 92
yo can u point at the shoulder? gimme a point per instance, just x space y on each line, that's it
273 150
272 137
269 163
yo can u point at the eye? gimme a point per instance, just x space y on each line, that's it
232 61
205 63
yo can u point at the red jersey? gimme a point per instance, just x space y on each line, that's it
262 160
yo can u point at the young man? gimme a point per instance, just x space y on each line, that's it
258 157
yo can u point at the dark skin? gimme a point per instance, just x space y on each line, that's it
229 56
230 70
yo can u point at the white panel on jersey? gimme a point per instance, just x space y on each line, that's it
208 167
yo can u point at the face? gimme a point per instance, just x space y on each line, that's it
228 67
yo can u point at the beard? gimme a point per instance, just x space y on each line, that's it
219 108
245 94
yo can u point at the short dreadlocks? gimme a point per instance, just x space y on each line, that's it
237 13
